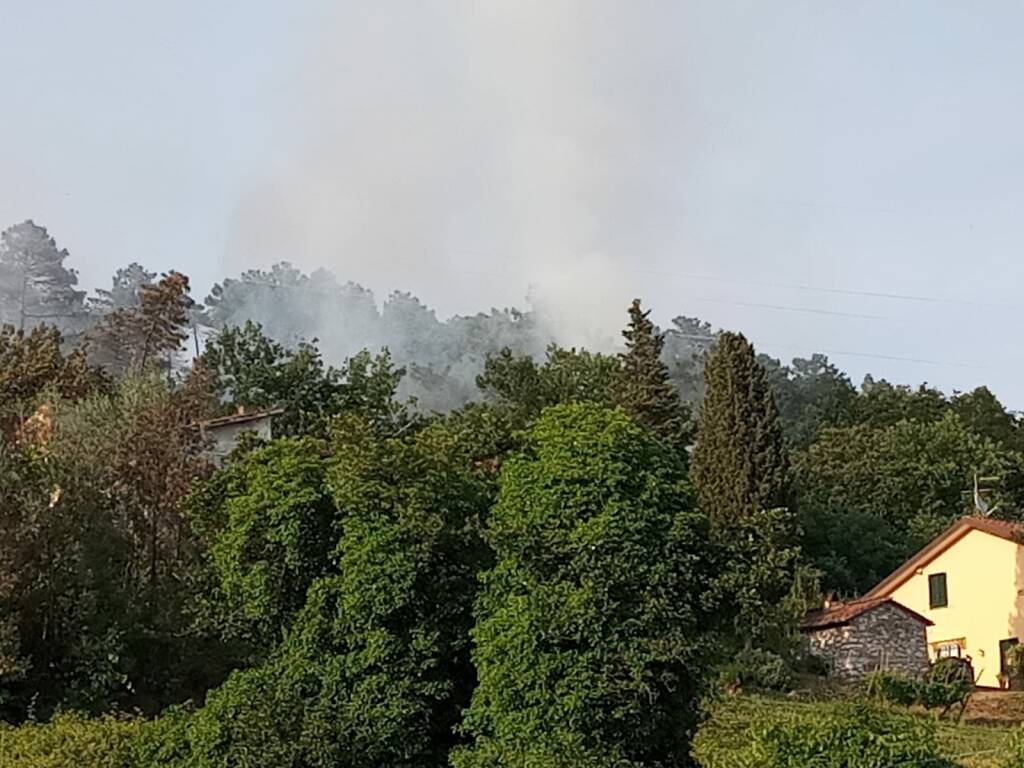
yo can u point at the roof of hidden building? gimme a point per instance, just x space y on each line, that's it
838 614
241 418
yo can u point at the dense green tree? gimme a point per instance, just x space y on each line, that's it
589 638
981 412
565 376
646 391
869 496
34 283
376 667
811 394
882 404
249 369
271 528
62 603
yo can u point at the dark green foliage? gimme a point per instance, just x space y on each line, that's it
375 668
870 497
646 391
566 376
983 414
248 369
811 394
757 669
62 633
739 467
591 628
739 463
882 404
861 737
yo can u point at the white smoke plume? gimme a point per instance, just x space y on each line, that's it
474 153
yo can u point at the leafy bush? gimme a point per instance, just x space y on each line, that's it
947 683
71 741
858 737
760 669
892 688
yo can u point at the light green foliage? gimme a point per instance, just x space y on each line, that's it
947 684
590 630
72 741
858 737
870 497
278 528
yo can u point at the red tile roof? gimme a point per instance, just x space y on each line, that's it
1004 529
843 613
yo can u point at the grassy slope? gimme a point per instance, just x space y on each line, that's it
972 745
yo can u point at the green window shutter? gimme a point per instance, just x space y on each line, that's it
937 595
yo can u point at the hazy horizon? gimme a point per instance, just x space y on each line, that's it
832 177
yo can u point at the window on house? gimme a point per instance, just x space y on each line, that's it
937 596
949 649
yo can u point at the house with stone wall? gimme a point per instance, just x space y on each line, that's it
856 638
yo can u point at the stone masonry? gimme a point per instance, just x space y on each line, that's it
882 637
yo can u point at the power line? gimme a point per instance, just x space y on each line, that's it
822 289
899 358
783 308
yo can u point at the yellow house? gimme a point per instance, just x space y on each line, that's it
969 582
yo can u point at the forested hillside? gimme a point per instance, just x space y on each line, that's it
464 544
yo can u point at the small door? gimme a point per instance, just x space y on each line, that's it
1008 676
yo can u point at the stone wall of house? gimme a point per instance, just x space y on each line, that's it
883 638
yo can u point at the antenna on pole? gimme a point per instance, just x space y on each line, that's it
980 505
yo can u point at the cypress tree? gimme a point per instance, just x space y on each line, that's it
739 466
739 462
645 391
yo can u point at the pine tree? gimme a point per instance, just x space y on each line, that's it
646 391
34 283
132 338
739 462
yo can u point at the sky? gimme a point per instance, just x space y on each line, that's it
842 176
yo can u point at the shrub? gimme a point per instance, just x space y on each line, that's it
857 737
71 741
892 688
759 668
947 683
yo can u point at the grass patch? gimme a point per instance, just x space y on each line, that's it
722 737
